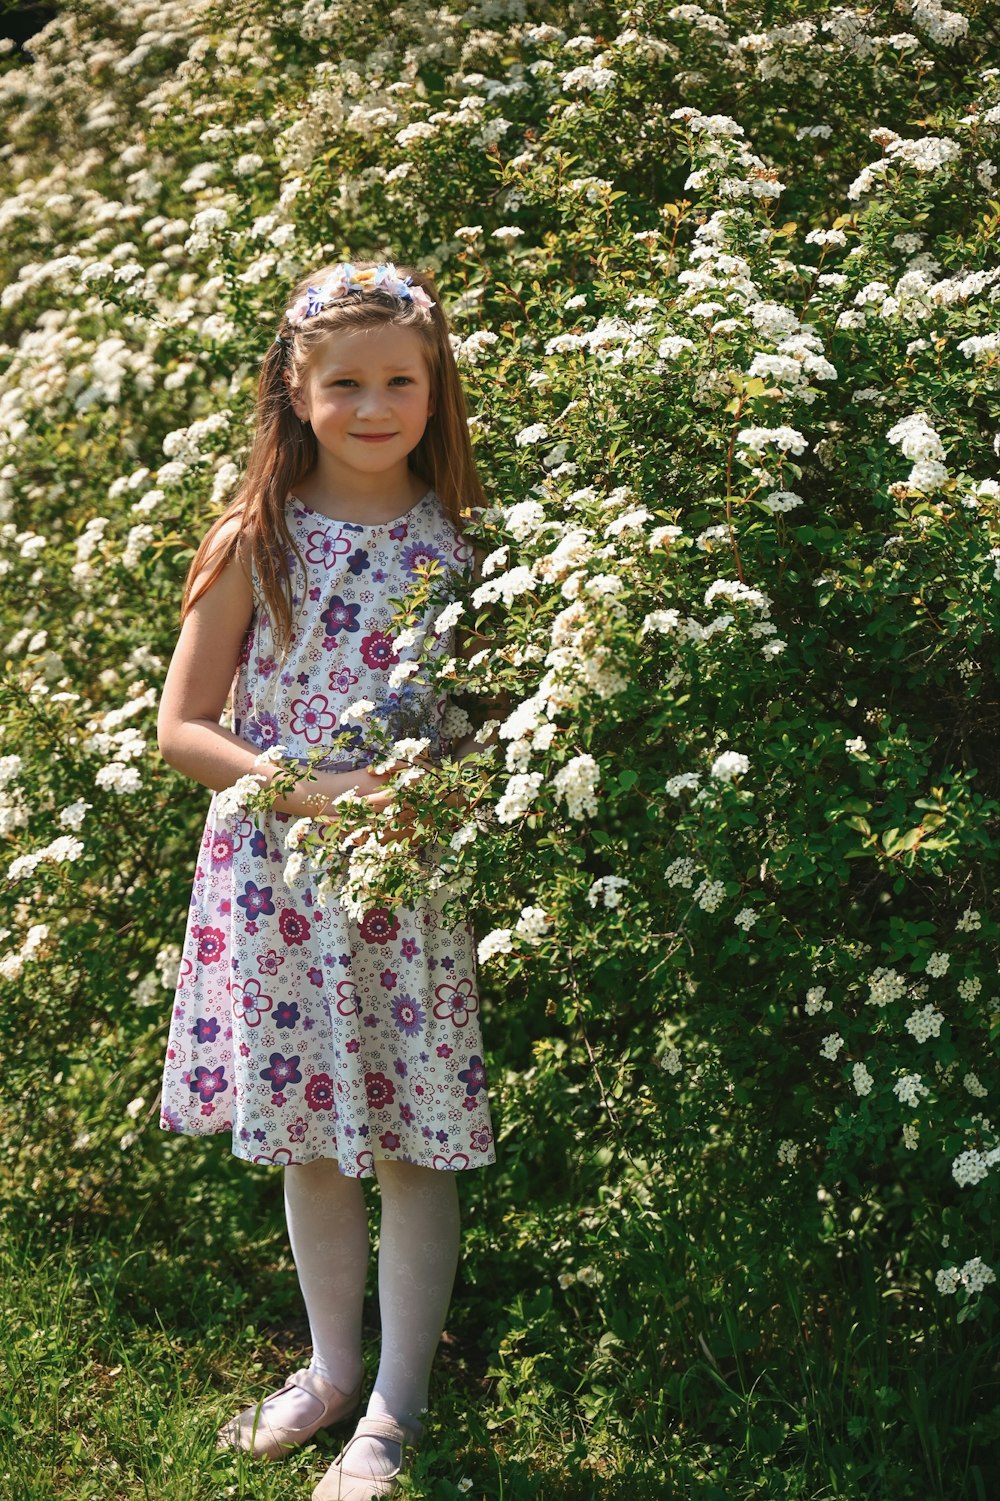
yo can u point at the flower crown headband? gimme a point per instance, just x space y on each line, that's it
344 279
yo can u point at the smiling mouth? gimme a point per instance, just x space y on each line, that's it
373 437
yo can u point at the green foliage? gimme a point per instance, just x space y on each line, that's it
733 859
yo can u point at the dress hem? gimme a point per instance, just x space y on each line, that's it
440 1162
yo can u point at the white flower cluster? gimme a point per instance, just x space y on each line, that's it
816 1000
681 872
925 1023
909 1089
683 782
969 922
518 796
671 1061
608 890
231 802
861 1079
971 1167
12 963
831 1045
508 586
787 439
937 965
64 847
885 985
788 1151
710 895
729 765
745 918
973 1276
524 520
533 924
577 783
497 942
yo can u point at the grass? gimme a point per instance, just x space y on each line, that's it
124 1345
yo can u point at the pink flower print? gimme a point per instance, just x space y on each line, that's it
343 680
457 1001
294 927
409 949
389 1140
221 849
378 650
388 978
311 718
456 1160
280 1157
319 1092
348 1000
378 926
353 1045
340 616
444 1051
184 973
380 1090
211 944
366 1163
326 549
297 1129
479 1140
270 963
249 1002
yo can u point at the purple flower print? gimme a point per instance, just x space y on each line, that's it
340 616
359 562
388 978
297 1129
205 1029
456 1001
208 1082
418 555
409 949
406 1115
270 963
286 1014
258 845
263 730
282 1072
473 1077
408 1015
256 900
479 1140
315 976
343 680
389 1140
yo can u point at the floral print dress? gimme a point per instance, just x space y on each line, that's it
303 1032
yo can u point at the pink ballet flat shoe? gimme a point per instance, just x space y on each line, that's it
252 1431
343 1484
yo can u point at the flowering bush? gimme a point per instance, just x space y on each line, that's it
733 856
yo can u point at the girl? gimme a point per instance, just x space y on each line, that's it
337 1050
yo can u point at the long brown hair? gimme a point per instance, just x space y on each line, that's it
284 450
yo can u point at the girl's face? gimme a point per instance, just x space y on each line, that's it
368 398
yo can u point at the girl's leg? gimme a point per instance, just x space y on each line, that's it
418 1254
328 1234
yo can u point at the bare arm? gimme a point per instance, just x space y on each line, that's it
197 686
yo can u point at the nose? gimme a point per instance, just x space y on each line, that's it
373 404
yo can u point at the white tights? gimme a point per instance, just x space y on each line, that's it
418 1253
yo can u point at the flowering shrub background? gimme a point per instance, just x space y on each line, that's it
724 287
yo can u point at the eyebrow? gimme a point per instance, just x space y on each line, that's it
404 368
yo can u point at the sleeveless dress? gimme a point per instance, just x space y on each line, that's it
302 1031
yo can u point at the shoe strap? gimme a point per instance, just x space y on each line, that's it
387 1428
322 1389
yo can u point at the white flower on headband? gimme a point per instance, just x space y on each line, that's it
344 278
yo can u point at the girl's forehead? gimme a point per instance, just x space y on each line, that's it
372 349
